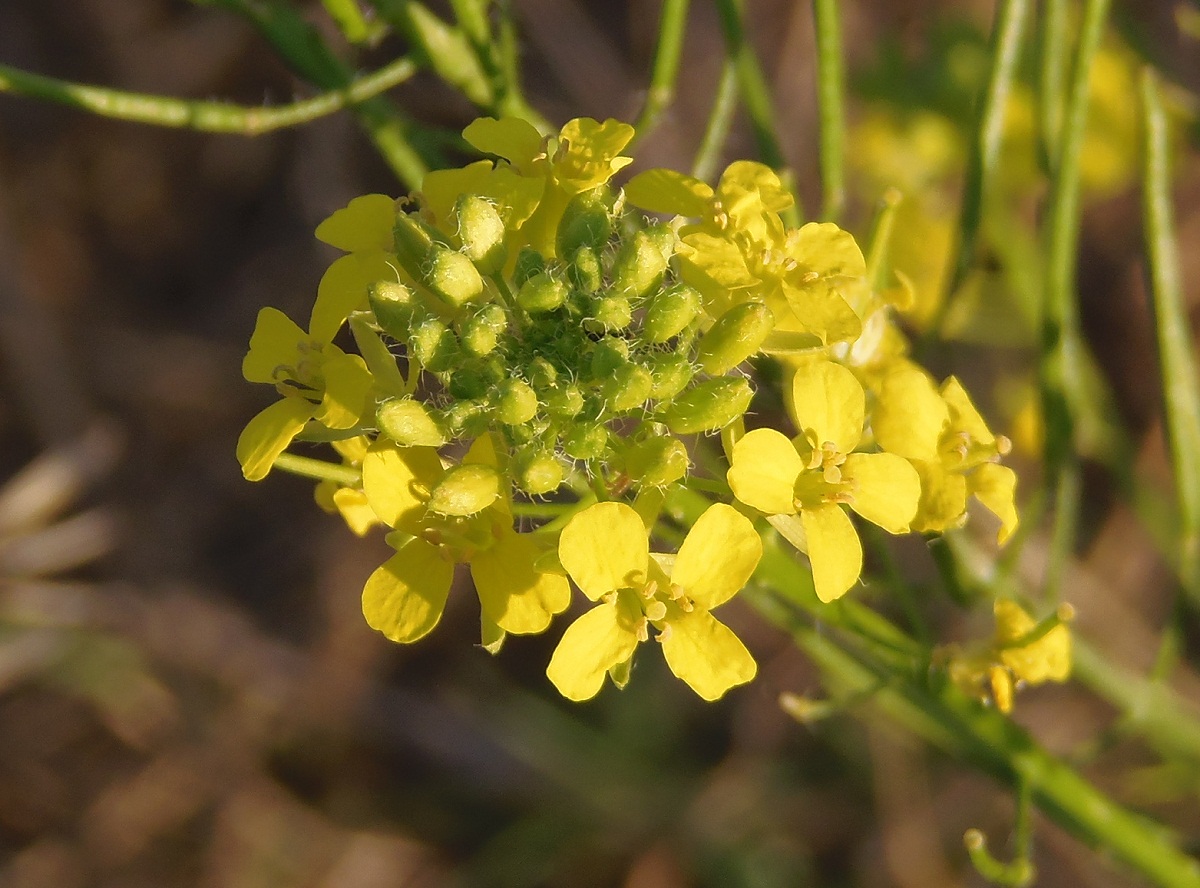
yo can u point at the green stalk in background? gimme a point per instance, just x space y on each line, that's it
720 119
1052 62
831 120
665 69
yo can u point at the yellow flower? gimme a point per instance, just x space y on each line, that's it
950 446
606 552
812 475
442 518
317 380
349 502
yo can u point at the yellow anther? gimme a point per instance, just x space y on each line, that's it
677 591
790 264
1003 445
810 276
642 629
664 633
650 589
685 605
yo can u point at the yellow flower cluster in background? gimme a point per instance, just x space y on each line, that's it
537 367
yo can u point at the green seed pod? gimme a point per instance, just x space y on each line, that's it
586 441
538 472
657 462
735 336
480 333
611 313
639 266
608 354
451 277
585 270
671 374
541 293
669 312
409 423
586 222
434 345
465 490
515 402
710 406
627 388
529 263
565 400
481 231
395 308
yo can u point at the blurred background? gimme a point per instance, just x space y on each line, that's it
188 693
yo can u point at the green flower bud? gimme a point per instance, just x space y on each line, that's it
469 382
669 312
515 402
735 336
451 277
409 423
541 293
414 240
434 345
608 354
663 237
585 270
481 332
529 263
639 266
565 400
611 313
710 406
657 462
465 418
395 308
538 472
586 441
541 373
627 388
481 231
671 374
465 490
586 222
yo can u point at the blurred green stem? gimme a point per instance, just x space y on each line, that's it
719 121
667 52
1052 60
214 117
830 106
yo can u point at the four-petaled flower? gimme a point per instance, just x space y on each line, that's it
606 551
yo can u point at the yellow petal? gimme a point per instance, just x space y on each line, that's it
963 415
823 249
269 434
363 224
343 289
397 482
885 489
829 404
834 550
909 415
1047 659
666 191
274 343
514 595
706 654
599 640
352 504
347 384
440 189
605 548
591 152
996 488
717 557
404 598
512 138
943 498
823 312
749 176
764 470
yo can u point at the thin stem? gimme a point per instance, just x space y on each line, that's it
1181 398
318 470
830 105
203 116
496 58
665 68
720 119
756 97
881 238
1052 62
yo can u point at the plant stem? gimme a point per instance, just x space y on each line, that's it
831 111
318 469
1052 60
665 69
720 118
203 116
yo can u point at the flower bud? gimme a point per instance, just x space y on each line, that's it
451 277
541 293
465 418
710 406
627 388
515 402
586 222
607 355
612 312
669 312
735 336
465 490
538 472
639 266
395 308
480 332
586 441
529 262
663 237
657 462
585 270
409 423
414 240
434 345
481 231
565 400
541 373
671 373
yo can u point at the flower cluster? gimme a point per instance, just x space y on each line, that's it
535 361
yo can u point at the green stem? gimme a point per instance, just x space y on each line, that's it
508 100
443 48
318 469
720 119
1052 61
665 69
881 238
1181 398
830 105
756 97
213 117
